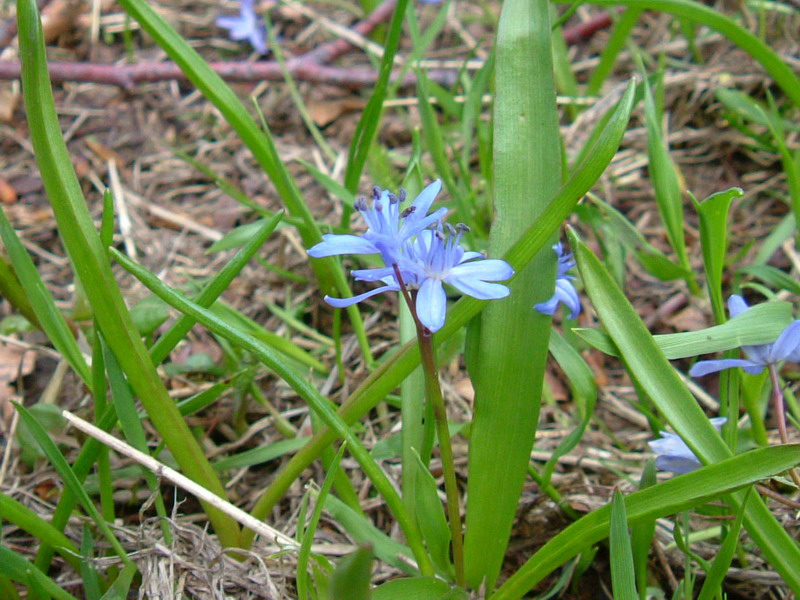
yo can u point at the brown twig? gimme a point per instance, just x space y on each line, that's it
312 66
127 76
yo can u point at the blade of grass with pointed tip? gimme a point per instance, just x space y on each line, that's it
722 563
713 212
303 580
623 582
41 302
667 498
647 363
86 252
642 535
370 119
664 176
512 351
391 373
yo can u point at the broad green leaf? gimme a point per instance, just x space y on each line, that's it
260 455
13 292
667 498
432 520
512 350
350 579
760 324
651 258
364 532
120 589
773 277
623 581
417 588
642 536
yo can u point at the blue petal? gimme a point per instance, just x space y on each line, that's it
482 290
344 302
671 444
736 305
379 274
333 244
704 367
566 293
787 343
549 307
492 269
677 465
431 304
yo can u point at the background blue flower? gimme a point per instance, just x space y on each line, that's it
673 453
247 26
565 289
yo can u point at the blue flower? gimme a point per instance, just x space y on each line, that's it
425 258
673 453
565 289
786 347
388 228
247 26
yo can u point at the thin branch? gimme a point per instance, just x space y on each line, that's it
164 472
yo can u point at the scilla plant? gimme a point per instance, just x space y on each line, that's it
534 189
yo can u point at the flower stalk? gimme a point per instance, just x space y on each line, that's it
780 414
433 394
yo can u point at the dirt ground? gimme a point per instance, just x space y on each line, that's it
171 213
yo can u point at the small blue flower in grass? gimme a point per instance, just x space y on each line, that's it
565 289
388 227
786 347
673 453
247 26
425 259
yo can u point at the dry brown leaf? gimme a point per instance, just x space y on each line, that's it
325 112
690 318
15 362
8 104
8 195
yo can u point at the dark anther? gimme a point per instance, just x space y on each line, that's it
360 204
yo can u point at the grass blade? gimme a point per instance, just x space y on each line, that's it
622 575
89 260
667 498
42 303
